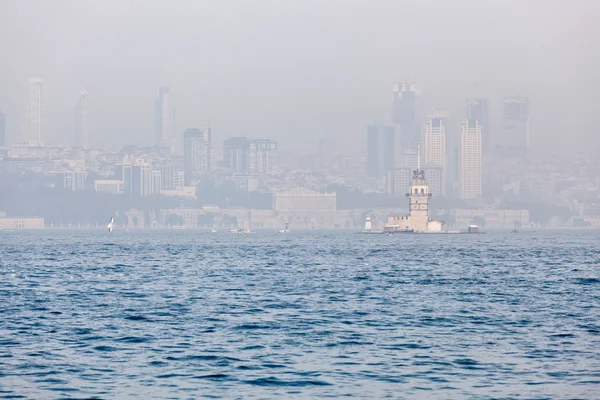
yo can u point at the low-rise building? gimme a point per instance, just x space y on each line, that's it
491 219
20 222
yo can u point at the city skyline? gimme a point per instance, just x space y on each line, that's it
322 82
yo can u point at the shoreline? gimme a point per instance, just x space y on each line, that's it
355 230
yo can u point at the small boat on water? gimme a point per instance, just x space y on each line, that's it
212 230
473 229
285 229
111 224
393 229
239 230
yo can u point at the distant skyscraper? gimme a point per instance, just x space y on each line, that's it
156 181
435 146
471 163
82 120
259 156
435 177
477 109
516 124
163 119
2 129
404 108
35 112
235 154
124 173
179 179
243 155
381 156
167 173
196 153
142 179
400 181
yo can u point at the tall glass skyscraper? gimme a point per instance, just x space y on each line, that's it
404 105
35 112
477 110
82 120
163 120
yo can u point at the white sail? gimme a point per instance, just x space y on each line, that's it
111 224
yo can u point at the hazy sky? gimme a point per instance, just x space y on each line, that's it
297 70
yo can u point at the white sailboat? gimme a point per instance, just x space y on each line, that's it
111 224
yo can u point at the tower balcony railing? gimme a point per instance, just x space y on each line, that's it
418 194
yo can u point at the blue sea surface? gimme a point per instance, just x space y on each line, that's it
189 314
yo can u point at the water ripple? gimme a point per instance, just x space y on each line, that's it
145 314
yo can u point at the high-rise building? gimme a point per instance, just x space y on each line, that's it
435 147
259 156
167 173
435 176
381 156
516 124
404 111
196 154
124 173
142 179
179 179
235 154
35 112
163 120
156 181
2 129
471 163
400 181
74 180
478 110
253 156
82 120
453 171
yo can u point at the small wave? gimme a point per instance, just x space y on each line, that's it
105 348
273 381
213 377
136 318
587 281
132 339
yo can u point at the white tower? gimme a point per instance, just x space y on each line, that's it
35 112
82 120
419 198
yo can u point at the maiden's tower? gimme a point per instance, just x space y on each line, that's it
417 220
